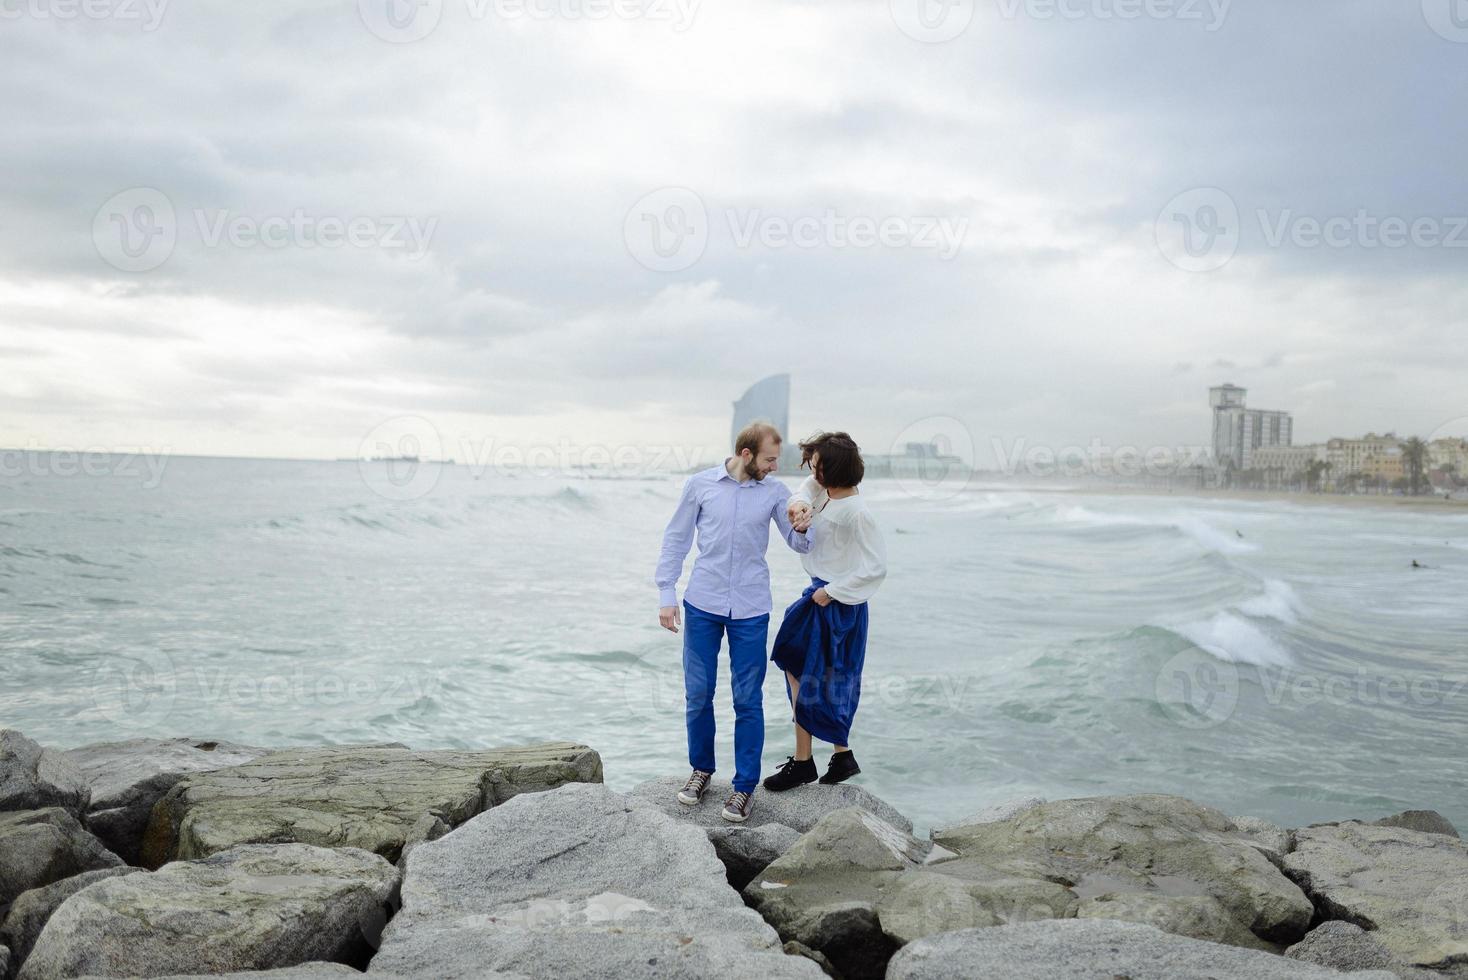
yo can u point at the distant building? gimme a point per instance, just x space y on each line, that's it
921 460
1444 454
1239 430
1287 464
769 401
1371 456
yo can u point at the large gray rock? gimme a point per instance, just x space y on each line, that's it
1408 888
1344 946
576 882
1003 810
1427 821
1093 949
1271 840
306 971
34 778
30 912
350 796
127 778
826 891
256 906
38 847
1160 847
776 822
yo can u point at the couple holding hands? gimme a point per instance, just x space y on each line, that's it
821 642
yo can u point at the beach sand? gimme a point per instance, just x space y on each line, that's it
1435 504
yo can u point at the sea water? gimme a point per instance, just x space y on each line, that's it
1272 659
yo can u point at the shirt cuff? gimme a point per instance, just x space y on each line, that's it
667 597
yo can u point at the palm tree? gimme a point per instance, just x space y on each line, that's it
1414 455
1313 474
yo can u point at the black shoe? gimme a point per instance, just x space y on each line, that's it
791 774
843 766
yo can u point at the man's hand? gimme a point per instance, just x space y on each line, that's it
821 597
800 514
669 618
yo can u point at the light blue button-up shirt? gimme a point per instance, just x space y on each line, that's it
730 577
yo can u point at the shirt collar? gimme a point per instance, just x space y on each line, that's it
724 475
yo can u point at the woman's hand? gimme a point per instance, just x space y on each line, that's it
821 597
799 513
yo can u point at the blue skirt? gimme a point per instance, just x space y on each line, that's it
824 646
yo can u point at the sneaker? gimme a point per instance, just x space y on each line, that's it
737 809
791 773
842 767
692 792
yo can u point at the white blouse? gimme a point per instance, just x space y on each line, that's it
846 545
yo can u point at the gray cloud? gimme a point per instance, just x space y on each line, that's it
524 144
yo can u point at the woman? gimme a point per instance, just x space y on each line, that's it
822 642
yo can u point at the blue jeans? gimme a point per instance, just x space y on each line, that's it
702 634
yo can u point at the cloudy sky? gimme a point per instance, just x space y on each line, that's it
275 229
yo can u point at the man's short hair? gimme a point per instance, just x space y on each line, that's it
753 436
840 464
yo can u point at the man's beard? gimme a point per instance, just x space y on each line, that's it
751 470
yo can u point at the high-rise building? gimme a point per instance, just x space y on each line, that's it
768 400
1239 430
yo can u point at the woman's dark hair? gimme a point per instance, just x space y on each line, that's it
840 464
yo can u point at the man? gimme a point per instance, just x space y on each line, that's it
731 506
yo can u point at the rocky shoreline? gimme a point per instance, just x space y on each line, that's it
192 858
